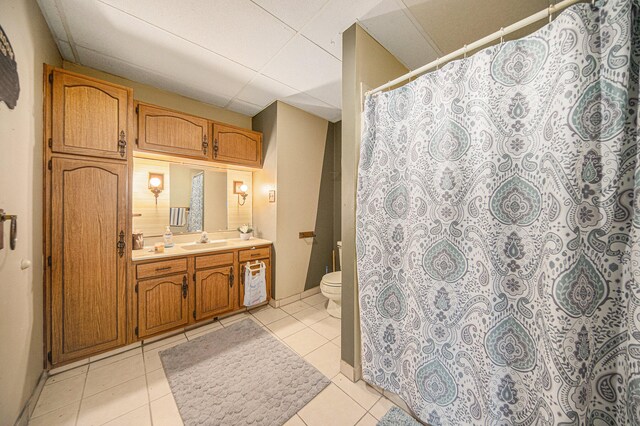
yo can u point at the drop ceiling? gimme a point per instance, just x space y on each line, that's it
244 54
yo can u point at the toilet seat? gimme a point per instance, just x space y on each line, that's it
333 279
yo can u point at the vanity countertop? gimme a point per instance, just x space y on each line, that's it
185 249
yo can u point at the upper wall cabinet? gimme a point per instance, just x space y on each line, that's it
89 117
170 132
236 146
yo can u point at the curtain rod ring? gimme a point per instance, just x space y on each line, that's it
501 35
465 51
550 12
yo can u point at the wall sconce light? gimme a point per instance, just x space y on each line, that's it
156 184
241 189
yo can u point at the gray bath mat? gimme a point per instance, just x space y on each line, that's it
397 417
239 375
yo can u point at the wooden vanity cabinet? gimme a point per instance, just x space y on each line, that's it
215 285
214 292
89 117
163 304
171 132
236 146
174 292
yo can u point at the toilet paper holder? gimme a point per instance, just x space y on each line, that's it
13 229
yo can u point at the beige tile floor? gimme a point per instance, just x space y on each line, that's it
131 388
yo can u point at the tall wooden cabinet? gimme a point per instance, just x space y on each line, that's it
87 217
88 259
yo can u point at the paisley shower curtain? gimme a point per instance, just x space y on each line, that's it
497 233
196 204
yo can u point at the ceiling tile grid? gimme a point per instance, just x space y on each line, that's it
245 54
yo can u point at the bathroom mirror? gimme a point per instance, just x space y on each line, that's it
189 198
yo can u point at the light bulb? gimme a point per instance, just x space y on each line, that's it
244 188
155 182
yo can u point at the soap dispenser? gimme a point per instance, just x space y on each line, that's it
168 238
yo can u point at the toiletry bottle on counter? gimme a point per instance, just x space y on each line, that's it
168 238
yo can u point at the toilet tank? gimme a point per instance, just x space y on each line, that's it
340 254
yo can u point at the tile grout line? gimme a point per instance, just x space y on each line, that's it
146 379
84 385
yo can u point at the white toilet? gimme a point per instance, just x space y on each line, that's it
331 287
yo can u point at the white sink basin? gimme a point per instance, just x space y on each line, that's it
204 246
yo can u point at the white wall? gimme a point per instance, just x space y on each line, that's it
21 304
294 144
301 142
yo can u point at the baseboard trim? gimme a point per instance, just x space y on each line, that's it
30 405
291 299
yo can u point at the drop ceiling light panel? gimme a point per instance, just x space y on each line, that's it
295 13
236 29
113 34
308 68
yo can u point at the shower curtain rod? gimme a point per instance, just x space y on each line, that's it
554 8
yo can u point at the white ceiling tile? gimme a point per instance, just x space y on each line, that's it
308 68
294 13
314 106
245 108
132 72
237 29
66 51
263 90
326 28
115 34
389 23
53 18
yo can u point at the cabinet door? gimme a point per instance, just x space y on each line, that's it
171 132
89 117
88 254
238 146
214 291
267 263
162 304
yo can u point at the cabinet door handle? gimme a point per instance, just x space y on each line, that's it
215 148
231 277
122 144
121 244
184 287
255 254
165 268
205 144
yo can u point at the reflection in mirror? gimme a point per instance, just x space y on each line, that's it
195 198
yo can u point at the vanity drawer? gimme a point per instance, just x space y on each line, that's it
253 254
214 260
156 269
